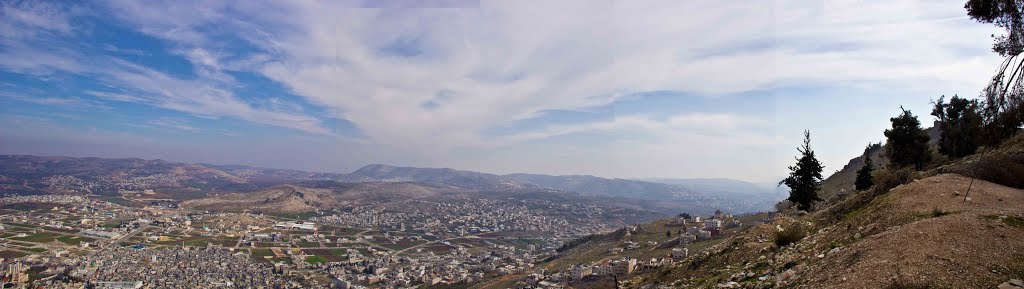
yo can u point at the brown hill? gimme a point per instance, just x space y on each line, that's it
922 234
295 199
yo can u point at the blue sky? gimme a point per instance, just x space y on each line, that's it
609 88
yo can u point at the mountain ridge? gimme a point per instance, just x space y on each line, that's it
37 175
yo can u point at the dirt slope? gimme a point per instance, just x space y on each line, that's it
921 234
924 233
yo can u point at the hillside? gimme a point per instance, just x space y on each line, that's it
918 235
445 176
34 175
310 197
174 180
666 198
922 234
597 186
724 186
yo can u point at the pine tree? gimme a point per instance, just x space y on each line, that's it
804 179
907 143
864 180
959 123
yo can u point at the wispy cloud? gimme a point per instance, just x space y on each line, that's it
426 78
171 123
29 18
111 48
207 96
66 102
508 60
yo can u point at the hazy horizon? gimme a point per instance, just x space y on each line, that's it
615 89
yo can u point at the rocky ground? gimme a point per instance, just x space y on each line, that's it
918 235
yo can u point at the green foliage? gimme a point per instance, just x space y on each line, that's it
907 143
864 180
1006 14
789 235
804 179
959 122
1003 108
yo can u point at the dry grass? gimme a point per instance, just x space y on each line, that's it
789 235
1003 165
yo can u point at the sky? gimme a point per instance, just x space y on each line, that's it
624 89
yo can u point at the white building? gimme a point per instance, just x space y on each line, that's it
299 225
680 253
713 223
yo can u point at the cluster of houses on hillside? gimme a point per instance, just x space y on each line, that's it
690 229
699 229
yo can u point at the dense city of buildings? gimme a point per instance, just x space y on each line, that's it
62 241
471 217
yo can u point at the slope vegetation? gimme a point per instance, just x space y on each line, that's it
926 233
919 235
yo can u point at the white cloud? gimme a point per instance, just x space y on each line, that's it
713 128
506 61
177 124
28 18
209 95
509 60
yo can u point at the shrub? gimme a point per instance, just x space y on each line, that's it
1003 169
783 205
888 178
1014 221
936 212
789 235
1004 165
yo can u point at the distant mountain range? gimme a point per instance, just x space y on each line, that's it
724 186
33 175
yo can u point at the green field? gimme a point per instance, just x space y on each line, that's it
42 237
227 241
402 244
261 252
74 240
331 255
316 260
11 254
